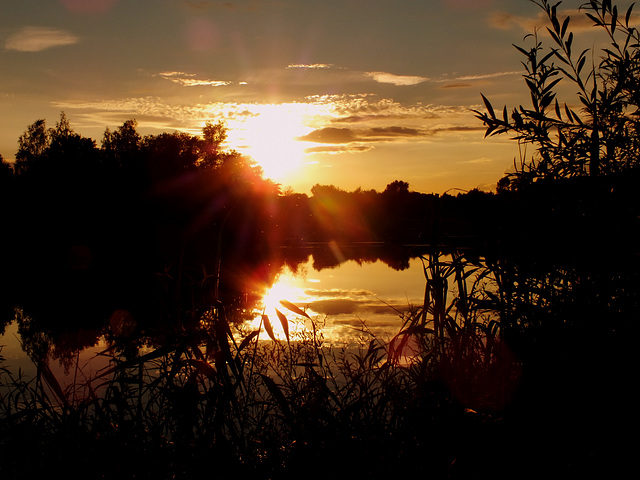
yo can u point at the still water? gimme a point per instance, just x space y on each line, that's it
352 301
349 302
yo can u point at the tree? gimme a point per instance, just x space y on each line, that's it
53 150
32 145
123 145
6 172
69 151
214 135
170 154
603 136
397 187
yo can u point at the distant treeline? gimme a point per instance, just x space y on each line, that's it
172 196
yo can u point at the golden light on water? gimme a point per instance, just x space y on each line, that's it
286 288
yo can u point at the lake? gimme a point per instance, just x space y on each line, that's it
352 294
354 300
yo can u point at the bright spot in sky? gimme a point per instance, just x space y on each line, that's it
269 136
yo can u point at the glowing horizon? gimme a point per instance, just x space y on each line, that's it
308 99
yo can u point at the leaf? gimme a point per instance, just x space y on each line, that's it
555 23
487 104
554 36
581 63
268 327
203 367
287 304
247 340
284 322
522 50
614 19
565 24
52 381
628 15
568 112
595 20
278 395
568 43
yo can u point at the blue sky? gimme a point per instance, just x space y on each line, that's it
355 93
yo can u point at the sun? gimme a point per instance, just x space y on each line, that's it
269 136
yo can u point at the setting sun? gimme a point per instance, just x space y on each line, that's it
269 136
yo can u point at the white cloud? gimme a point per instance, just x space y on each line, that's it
187 80
36 39
400 80
489 75
314 66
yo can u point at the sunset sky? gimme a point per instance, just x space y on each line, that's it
354 93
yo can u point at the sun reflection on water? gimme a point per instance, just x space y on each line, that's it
287 288
348 304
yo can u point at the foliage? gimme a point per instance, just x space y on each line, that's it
600 138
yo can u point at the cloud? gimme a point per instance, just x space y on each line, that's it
36 39
339 136
505 21
187 80
336 149
333 307
399 80
456 129
376 117
349 135
359 109
488 75
457 85
337 292
314 66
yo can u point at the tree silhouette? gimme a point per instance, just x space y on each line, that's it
123 145
32 145
603 136
397 187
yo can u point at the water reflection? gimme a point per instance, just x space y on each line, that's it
352 300
353 292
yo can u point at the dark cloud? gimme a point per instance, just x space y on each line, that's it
457 128
457 85
338 293
330 135
338 306
372 117
334 149
352 135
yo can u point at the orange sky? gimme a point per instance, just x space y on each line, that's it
354 93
